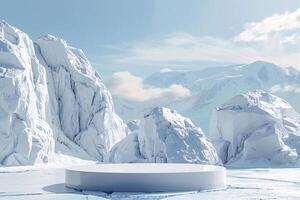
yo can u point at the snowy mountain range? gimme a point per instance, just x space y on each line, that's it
53 102
211 87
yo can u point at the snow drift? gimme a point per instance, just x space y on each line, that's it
165 136
256 125
51 99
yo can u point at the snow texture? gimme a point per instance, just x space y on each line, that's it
256 125
166 136
51 100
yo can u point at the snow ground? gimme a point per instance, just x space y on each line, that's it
261 183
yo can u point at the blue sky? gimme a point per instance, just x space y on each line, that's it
142 36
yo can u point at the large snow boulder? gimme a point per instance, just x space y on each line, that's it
166 136
255 125
80 100
25 136
51 99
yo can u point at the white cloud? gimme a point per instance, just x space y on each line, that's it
180 48
285 88
184 49
165 70
275 39
284 26
130 87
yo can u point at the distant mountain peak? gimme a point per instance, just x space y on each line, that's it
211 86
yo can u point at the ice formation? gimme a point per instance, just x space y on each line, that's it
51 99
165 136
256 125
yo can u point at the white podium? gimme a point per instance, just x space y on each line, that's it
146 177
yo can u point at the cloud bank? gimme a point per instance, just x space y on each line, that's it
285 88
284 27
180 48
275 39
130 87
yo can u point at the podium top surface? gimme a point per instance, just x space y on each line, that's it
146 168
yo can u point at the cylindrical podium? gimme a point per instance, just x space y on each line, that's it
146 177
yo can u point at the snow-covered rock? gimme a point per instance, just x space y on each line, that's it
51 99
166 136
255 125
80 100
134 125
25 136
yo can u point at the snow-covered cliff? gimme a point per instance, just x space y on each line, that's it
51 99
81 105
25 135
256 125
165 136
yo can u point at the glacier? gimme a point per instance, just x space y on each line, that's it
165 136
256 125
52 100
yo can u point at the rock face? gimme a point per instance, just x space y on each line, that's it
166 136
50 96
256 125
